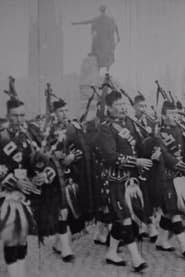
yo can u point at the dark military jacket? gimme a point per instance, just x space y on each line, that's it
19 154
173 142
119 144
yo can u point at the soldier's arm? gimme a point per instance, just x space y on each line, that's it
169 159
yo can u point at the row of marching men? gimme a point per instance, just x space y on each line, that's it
139 164
57 179
45 182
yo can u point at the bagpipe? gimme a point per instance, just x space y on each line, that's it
133 193
48 118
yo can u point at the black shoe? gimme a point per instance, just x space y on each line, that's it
56 251
69 258
108 240
183 254
96 241
161 248
120 263
153 239
143 235
121 243
140 267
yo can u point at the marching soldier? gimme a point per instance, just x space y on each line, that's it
173 147
21 182
147 187
118 145
57 146
70 146
101 235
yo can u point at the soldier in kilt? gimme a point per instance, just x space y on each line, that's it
147 184
21 182
67 142
63 157
173 150
101 213
118 145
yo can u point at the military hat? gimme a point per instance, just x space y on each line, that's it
139 98
113 96
58 104
167 105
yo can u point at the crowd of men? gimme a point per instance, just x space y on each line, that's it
117 171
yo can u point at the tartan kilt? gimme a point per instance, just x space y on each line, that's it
46 209
169 198
113 197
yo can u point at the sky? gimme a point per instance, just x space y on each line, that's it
13 38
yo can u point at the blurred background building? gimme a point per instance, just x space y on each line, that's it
38 44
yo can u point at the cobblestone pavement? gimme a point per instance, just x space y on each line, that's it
90 261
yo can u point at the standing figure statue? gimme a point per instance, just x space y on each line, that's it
103 30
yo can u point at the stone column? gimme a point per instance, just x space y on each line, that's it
45 50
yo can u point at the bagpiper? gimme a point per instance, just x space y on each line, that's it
67 142
117 142
171 189
147 186
23 173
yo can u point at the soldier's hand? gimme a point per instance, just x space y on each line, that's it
69 158
39 179
26 186
64 214
78 154
144 163
180 166
60 155
157 154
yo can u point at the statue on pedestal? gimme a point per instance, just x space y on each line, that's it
103 30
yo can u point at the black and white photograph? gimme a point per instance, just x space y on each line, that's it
92 138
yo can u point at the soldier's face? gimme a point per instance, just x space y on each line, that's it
140 108
16 117
171 117
119 108
62 114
